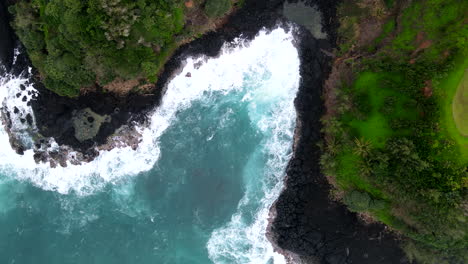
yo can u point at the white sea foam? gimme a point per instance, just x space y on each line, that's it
271 108
270 56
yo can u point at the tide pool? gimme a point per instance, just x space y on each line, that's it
197 189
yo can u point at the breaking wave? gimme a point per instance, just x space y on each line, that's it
270 57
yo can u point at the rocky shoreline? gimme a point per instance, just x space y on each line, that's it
306 225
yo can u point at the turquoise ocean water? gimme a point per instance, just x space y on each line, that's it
198 188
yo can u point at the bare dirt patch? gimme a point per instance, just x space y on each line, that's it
427 89
121 87
423 43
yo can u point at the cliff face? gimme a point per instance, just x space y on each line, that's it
6 37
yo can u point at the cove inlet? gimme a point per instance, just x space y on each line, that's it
198 188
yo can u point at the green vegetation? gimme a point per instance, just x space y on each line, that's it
79 44
452 98
460 106
215 8
396 146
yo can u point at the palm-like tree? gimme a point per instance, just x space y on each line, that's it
362 147
365 168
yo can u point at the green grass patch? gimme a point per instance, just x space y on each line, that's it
387 28
404 40
375 129
349 175
440 21
449 96
460 106
380 103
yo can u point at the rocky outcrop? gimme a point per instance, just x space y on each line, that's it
56 116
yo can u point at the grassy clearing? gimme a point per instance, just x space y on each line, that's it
348 175
454 107
379 104
460 106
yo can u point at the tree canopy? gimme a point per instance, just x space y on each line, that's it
76 44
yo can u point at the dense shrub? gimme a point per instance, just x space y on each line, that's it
78 43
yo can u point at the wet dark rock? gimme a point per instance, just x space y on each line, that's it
53 163
24 99
15 110
22 87
29 119
54 114
20 150
57 157
22 120
37 157
18 95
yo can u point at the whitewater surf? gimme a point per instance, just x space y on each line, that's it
197 189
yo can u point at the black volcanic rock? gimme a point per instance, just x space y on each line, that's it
54 114
6 38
